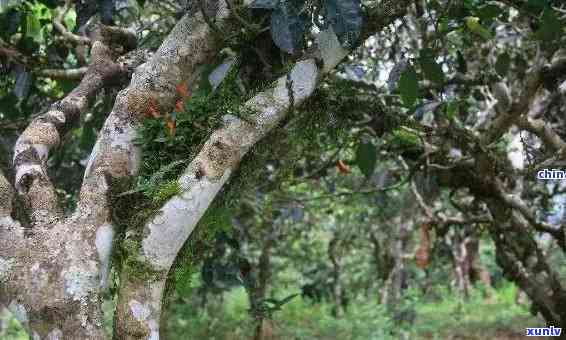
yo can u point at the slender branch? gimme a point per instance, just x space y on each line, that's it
515 202
68 74
59 26
541 129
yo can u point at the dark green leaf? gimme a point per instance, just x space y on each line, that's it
550 26
33 28
265 4
345 16
535 6
88 137
288 27
451 110
409 86
49 3
366 157
431 69
462 64
488 12
67 85
502 64
473 24
395 74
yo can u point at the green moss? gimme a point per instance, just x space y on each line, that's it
216 219
203 114
133 266
404 140
166 191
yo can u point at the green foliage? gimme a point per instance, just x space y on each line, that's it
291 20
216 220
404 139
409 86
503 64
431 69
37 13
164 154
486 315
483 316
474 25
136 268
551 27
166 191
366 157
11 329
462 66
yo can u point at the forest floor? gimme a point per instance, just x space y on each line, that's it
484 316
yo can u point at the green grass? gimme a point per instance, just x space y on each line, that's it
487 314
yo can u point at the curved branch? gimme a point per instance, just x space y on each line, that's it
59 26
45 132
68 74
541 129
139 305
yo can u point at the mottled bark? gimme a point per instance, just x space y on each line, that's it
459 244
46 132
50 272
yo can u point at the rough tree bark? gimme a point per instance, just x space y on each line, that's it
50 267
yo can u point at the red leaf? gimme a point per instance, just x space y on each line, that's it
422 256
152 110
171 126
183 90
179 106
342 167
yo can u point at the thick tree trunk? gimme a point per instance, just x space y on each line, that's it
462 263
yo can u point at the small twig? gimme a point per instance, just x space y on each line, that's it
241 20
209 22
69 74
58 23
